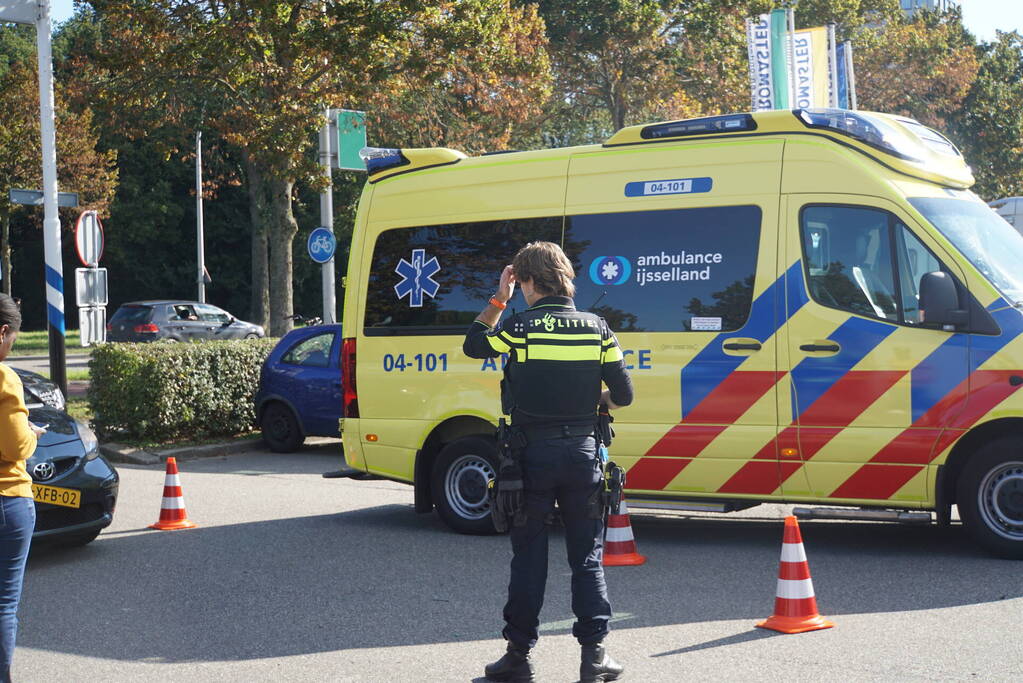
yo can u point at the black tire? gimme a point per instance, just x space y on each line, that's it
990 497
252 335
459 481
281 430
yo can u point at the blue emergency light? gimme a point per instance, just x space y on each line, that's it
382 158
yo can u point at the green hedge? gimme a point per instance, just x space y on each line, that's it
164 391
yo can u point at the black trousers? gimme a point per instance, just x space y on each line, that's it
565 470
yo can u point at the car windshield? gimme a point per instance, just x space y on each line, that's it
982 236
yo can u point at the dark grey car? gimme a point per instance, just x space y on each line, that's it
172 320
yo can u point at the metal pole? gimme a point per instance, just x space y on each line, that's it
790 51
833 64
199 238
327 221
850 74
51 220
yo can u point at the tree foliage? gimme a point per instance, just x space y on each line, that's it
989 126
82 166
261 73
137 78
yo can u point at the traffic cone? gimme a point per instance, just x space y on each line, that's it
172 509
795 607
619 543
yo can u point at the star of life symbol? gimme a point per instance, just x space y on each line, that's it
417 278
609 270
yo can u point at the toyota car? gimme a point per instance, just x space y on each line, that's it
75 488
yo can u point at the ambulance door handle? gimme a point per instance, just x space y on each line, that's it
739 346
833 348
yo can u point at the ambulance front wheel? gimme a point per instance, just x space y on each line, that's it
461 473
990 498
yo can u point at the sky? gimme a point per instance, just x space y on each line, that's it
981 17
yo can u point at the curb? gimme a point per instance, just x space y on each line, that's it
121 453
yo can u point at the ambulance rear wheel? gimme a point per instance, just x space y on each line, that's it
990 498
461 473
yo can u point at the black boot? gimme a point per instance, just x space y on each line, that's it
597 665
515 666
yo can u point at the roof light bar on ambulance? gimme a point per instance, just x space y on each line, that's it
869 130
382 158
706 126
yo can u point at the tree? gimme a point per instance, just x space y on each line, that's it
476 92
989 125
82 168
261 72
922 68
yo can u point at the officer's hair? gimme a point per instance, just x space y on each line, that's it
10 313
547 266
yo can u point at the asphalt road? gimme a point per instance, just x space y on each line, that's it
41 364
291 577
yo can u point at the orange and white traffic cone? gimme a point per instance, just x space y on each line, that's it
795 606
619 543
172 509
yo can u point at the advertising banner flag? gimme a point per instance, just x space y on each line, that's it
843 75
779 58
758 42
810 54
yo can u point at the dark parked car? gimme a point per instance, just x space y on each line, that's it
75 488
171 320
300 388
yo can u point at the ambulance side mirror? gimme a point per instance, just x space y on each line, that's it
939 302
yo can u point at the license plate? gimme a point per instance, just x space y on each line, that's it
54 495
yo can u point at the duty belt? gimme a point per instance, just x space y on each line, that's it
547 431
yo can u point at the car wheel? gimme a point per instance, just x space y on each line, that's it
281 430
252 335
990 498
461 474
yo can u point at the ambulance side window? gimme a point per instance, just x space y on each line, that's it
435 279
914 261
848 258
850 265
668 270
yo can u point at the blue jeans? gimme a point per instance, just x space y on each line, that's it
17 522
564 470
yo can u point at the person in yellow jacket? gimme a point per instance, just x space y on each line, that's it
18 439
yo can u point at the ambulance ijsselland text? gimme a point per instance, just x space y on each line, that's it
816 308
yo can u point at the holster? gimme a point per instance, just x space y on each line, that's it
608 495
507 491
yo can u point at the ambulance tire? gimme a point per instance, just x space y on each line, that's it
461 473
990 498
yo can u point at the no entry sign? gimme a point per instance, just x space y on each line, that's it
89 239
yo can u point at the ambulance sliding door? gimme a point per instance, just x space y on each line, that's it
676 246
868 382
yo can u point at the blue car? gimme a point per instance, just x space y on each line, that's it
300 388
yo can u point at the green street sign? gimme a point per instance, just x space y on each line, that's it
351 137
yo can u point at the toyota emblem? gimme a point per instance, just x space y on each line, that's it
44 471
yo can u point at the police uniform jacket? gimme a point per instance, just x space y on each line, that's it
558 358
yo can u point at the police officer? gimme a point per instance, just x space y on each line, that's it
558 359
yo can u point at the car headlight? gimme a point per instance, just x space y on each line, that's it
89 441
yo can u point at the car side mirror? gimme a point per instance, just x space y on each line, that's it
939 302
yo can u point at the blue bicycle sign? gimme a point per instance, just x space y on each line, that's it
321 245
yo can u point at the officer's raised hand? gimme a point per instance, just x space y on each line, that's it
506 287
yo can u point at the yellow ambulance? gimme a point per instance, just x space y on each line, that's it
813 306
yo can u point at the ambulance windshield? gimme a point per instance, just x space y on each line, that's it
982 236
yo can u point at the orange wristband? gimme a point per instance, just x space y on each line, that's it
494 302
